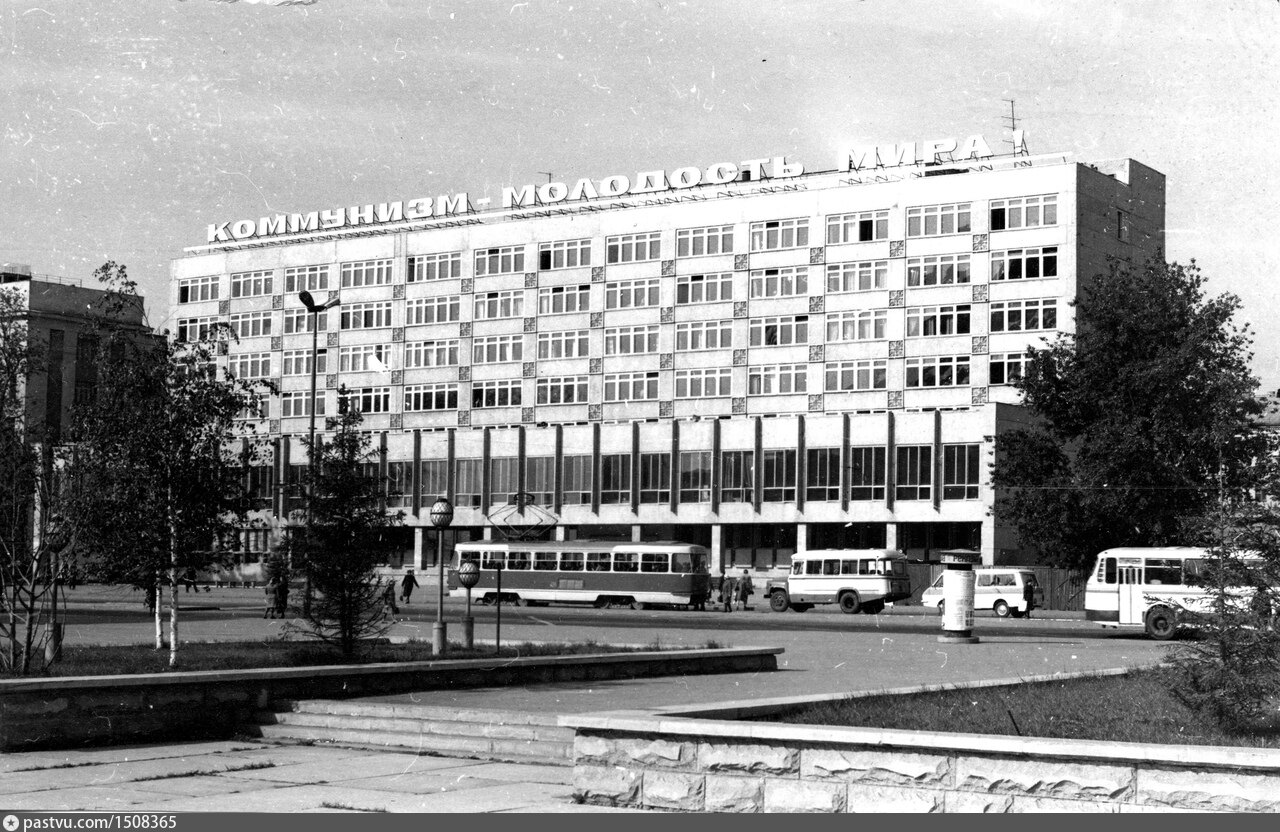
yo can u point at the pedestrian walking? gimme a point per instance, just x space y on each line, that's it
189 579
269 611
407 586
1028 597
745 589
282 596
389 607
727 590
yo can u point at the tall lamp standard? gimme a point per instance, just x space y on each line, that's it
315 310
441 518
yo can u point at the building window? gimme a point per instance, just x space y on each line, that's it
468 482
780 234
293 403
497 349
704 335
710 383
633 248
914 472
422 397
655 478
366 273
631 340
695 476
435 310
398 484
418 354
777 379
567 254
496 393
822 475
737 476
1122 226
844 376
1024 315
376 315
539 478
615 479
558 300
196 289
433 480
569 344
562 390
924 321
778 476
867 473
364 358
704 288
857 325
366 400
860 227
577 480
195 329
1024 212
298 362
1007 368
631 294
251 324
960 472
493 305
504 480
250 284
857 277
936 220
499 260
310 278
1024 263
938 371
444 266
780 283
247 365
297 321
630 387
942 270
780 331
695 242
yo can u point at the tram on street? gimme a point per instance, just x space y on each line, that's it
600 573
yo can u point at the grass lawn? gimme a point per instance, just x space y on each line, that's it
1137 707
105 661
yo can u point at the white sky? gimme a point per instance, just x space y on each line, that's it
130 125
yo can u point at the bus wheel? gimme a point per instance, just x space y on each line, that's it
1161 623
778 601
600 603
849 603
1001 609
641 605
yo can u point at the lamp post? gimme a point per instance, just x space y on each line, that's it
315 309
469 576
441 517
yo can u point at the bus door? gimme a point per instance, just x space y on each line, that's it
1132 598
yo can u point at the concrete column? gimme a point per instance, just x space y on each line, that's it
635 533
717 555
558 533
419 558
987 545
802 537
890 535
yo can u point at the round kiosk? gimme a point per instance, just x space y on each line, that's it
957 597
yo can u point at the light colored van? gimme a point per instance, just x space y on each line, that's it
996 588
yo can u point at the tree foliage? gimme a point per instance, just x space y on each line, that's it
1143 416
157 479
347 536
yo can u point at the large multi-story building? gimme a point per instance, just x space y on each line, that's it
746 356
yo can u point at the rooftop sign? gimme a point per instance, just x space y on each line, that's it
863 156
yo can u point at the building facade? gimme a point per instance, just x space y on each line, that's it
762 365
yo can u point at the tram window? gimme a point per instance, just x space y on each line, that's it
598 561
813 567
544 561
1164 571
831 567
468 557
518 560
626 561
491 560
866 567
682 562
570 561
848 567
1109 570
653 562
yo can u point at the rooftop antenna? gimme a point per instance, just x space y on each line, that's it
1018 141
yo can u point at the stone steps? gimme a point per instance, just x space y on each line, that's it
451 732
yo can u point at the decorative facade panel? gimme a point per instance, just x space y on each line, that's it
979 345
739 358
815 403
741 262
817 255
979 395
980 292
897 298
896 349
666 409
895 399
817 352
597 274
897 248
530 369
668 268
530 280
666 361
981 242
738 406
817 303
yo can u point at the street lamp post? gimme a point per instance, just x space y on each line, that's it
441 518
315 309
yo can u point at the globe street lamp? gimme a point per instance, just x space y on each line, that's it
441 517
315 309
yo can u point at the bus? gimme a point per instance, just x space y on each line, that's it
858 580
1148 588
600 573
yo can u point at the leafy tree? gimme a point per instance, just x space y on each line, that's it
1142 416
346 539
157 479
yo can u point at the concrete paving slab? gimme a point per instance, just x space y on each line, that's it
424 783
523 772
82 799
200 785
327 771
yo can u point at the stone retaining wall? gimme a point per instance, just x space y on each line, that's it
99 710
717 765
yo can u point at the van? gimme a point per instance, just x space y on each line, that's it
996 588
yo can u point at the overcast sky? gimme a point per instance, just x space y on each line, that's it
130 125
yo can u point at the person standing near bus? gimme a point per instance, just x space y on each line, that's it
1028 597
726 591
744 589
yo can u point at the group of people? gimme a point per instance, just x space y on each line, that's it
733 592
407 585
277 598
